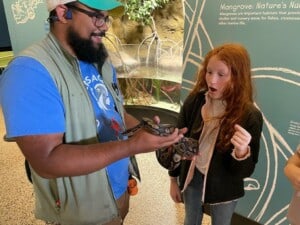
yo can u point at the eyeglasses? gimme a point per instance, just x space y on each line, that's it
98 19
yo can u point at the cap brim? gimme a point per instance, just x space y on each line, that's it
117 12
114 7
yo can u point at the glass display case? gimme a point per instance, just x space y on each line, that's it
149 73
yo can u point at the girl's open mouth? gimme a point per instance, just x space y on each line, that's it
212 89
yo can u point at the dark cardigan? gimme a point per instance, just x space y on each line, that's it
225 174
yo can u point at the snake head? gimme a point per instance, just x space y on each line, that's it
152 127
158 129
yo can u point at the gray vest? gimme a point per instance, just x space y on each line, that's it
83 200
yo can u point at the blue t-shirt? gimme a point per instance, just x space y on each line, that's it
32 105
30 101
109 123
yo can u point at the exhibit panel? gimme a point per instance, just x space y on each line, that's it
270 32
27 22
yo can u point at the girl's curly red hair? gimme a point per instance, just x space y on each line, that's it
239 92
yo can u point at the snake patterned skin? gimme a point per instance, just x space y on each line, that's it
168 157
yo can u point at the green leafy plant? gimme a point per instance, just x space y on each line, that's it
141 10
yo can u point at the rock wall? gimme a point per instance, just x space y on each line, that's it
169 22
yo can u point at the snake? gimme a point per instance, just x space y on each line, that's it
168 157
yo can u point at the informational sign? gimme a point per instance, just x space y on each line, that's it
27 22
270 31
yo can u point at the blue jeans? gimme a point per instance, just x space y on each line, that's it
220 213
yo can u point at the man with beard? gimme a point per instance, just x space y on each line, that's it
62 105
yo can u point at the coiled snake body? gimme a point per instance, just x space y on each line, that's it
168 157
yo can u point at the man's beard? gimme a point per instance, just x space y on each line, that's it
84 49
